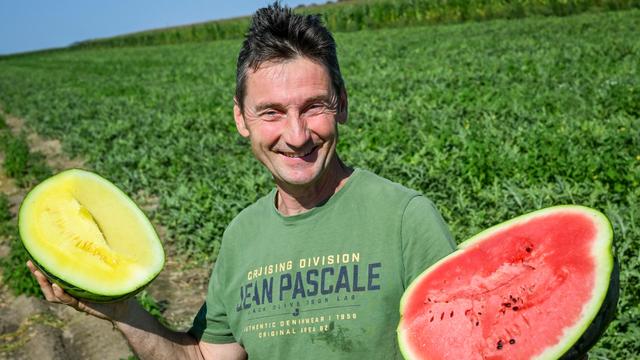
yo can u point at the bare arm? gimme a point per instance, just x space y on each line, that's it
147 337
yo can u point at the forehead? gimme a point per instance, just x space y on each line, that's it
287 82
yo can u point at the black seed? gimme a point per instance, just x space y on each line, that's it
429 299
515 308
431 319
499 345
477 323
451 315
479 313
512 341
528 249
507 304
441 316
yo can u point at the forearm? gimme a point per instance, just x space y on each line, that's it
149 339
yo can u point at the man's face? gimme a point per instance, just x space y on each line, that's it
290 116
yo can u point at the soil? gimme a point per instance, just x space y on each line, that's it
31 328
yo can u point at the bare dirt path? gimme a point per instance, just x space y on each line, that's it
31 328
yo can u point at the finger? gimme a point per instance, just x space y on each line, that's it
44 283
63 297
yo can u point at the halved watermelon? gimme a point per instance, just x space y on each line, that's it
89 237
541 286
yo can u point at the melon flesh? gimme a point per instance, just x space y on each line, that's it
525 289
89 237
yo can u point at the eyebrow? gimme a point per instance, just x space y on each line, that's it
272 105
265 106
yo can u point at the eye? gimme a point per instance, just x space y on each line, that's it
315 108
270 115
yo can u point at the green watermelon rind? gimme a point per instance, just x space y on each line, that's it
603 255
83 294
69 286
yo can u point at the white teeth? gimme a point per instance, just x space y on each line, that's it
295 156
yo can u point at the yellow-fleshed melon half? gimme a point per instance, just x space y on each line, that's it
89 237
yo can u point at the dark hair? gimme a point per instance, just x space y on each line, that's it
277 34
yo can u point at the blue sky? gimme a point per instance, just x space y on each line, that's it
27 25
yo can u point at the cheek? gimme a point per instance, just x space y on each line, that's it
265 133
323 127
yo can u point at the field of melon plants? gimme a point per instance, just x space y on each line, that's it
490 120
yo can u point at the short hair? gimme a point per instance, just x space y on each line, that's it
277 34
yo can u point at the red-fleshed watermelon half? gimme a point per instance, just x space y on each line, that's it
540 286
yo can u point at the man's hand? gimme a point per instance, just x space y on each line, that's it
148 338
54 293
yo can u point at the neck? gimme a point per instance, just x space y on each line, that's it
293 200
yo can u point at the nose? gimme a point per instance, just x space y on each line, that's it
297 132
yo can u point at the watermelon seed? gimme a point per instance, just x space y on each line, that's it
479 313
512 341
528 249
442 316
451 315
431 319
499 344
515 308
477 323
507 304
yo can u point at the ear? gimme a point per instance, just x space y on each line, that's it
343 107
239 118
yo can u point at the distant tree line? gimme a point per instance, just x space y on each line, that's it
354 15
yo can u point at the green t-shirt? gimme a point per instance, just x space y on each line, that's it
326 283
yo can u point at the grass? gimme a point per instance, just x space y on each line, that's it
27 169
6 227
15 274
490 120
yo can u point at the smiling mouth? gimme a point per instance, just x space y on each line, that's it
296 155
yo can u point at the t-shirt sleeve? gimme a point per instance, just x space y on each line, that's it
425 237
211 324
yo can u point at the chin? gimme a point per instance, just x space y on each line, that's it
299 177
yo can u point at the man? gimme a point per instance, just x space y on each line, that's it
316 268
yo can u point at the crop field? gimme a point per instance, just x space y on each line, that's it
354 15
490 120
